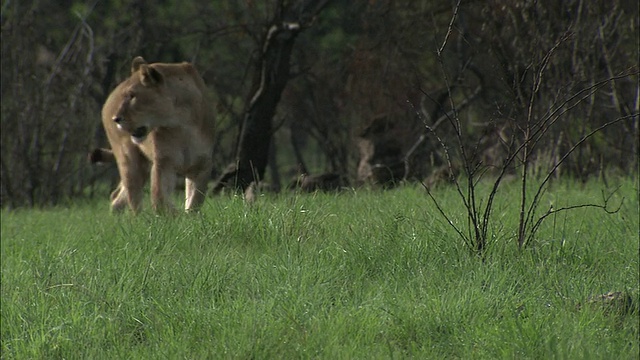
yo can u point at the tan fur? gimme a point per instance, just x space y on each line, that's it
159 123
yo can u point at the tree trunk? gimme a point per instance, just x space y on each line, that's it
272 74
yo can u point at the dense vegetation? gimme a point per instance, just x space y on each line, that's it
490 71
359 275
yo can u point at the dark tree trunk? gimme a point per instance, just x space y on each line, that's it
272 74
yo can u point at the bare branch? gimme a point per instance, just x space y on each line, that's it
551 211
467 241
449 28
542 186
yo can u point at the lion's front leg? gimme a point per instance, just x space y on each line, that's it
196 189
133 168
163 181
122 196
118 199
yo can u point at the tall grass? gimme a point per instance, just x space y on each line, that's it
358 275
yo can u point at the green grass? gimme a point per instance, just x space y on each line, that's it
360 275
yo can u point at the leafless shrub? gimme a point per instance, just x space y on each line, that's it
544 108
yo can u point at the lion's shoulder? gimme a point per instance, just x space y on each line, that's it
181 79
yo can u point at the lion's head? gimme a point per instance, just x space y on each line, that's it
142 101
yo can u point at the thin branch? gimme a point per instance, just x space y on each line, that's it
555 115
536 198
449 28
465 239
604 206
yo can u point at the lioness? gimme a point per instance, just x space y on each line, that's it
159 120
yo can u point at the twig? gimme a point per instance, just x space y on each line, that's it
449 28
542 186
553 211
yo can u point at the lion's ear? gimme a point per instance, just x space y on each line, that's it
150 76
135 64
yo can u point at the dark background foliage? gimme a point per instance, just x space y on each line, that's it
365 80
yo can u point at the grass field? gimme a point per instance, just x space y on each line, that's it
357 275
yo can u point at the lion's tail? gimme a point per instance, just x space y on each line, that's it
101 156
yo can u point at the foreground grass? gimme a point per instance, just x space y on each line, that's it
357 275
